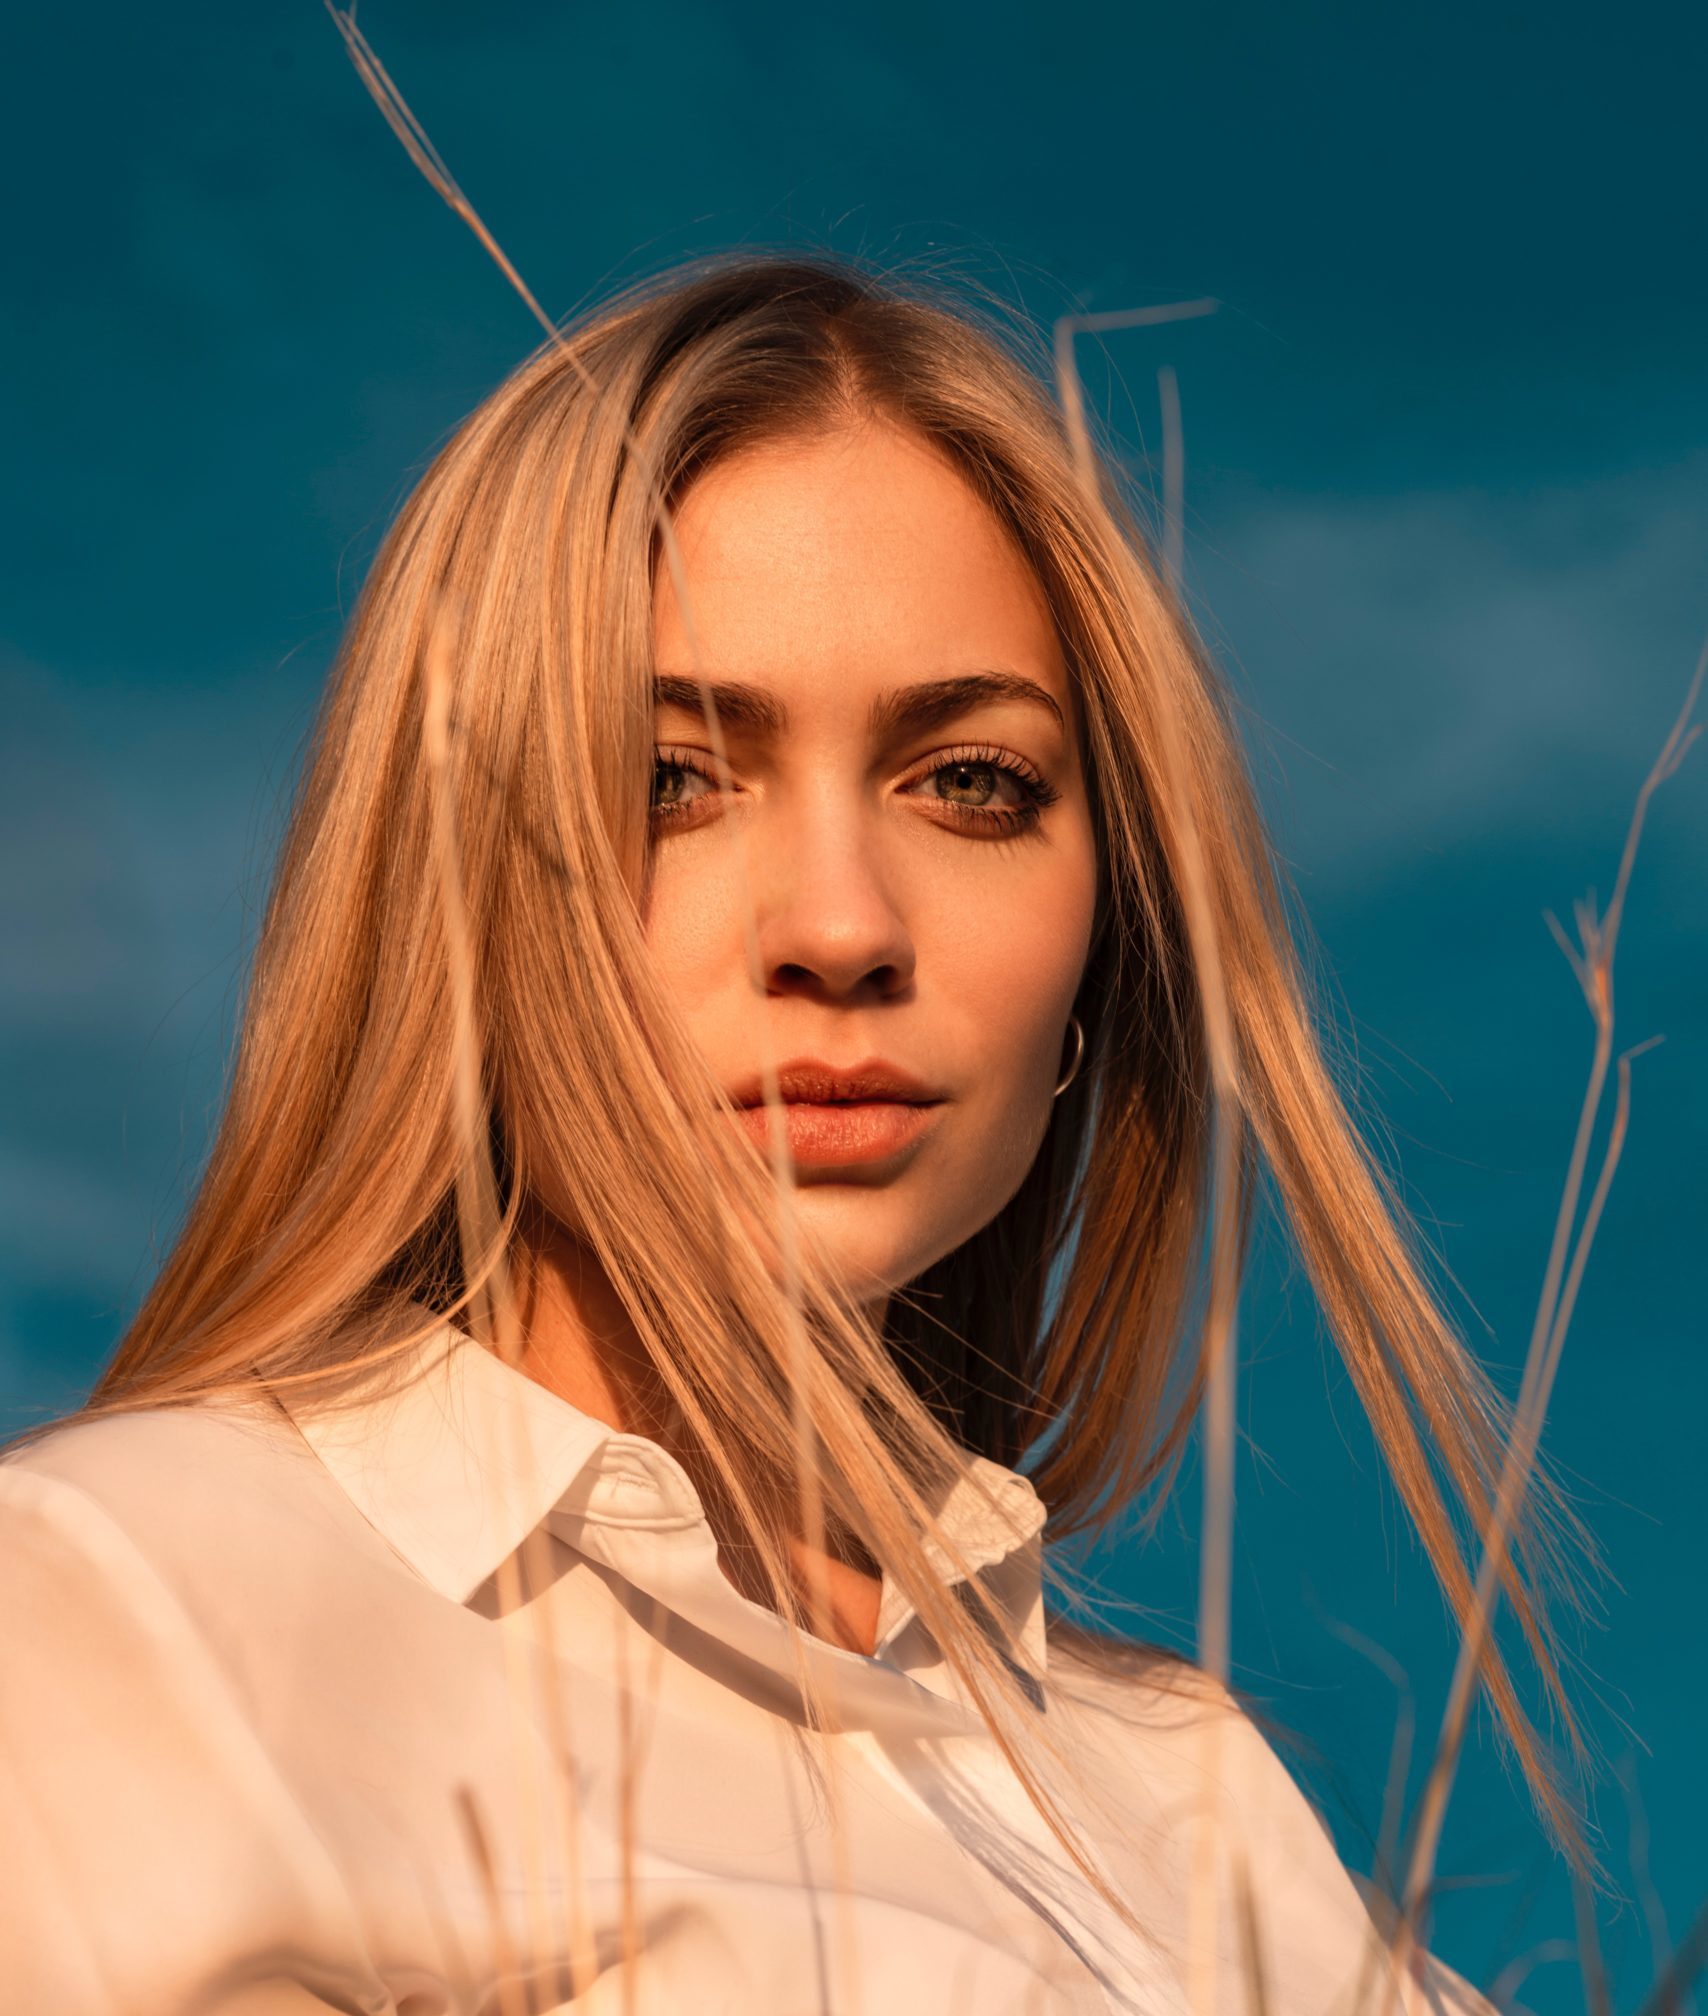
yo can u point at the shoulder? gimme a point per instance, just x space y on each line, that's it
100 1635
104 1516
216 1513
1176 1750
93 1474
153 1846
127 1460
1195 1746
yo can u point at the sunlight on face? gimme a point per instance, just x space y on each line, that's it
907 805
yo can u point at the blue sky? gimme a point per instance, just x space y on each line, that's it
1447 443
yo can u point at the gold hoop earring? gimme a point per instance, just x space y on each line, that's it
1078 1029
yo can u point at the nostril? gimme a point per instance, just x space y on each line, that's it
878 983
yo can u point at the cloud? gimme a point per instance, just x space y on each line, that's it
1430 670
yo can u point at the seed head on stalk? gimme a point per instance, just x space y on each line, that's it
1592 962
1227 1154
479 1214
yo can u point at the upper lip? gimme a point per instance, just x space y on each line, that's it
811 1082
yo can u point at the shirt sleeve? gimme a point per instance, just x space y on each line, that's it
152 1860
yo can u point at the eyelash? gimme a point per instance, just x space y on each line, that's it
1010 818
973 755
677 759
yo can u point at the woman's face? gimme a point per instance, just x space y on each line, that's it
907 816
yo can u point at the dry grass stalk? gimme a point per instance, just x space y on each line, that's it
626 1829
1593 966
1385 1873
510 1998
477 1198
1219 1347
423 153
1220 1365
1642 1873
1591 1971
479 1219
1173 479
1070 388
1689 1959
1251 1943
1519 1969
483 1234
431 164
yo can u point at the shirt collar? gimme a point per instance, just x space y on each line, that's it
457 1464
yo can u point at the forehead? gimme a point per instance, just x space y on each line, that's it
855 558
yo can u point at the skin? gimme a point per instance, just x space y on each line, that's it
826 574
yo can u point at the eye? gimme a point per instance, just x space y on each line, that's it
683 786
984 789
973 783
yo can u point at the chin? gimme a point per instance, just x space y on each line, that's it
871 1237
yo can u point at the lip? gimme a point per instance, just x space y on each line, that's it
810 1081
839 1116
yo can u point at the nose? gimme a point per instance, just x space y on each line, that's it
830 927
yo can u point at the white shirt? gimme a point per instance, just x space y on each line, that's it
271 1739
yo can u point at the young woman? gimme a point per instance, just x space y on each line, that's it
715 1175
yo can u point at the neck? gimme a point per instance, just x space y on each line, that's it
579 1342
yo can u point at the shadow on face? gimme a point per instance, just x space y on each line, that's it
905 812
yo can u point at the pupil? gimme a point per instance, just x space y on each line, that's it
971 780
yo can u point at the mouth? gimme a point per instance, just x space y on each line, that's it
838 1117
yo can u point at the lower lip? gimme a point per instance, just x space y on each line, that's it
825 1137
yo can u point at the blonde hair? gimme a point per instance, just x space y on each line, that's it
1067 1332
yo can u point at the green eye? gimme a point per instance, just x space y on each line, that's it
987 790
682 790
967 783
669 784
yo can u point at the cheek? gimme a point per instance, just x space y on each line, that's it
1008 971
692 920
1009 968
1016 1007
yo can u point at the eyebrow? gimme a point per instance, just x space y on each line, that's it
738 706
934 701
927 704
